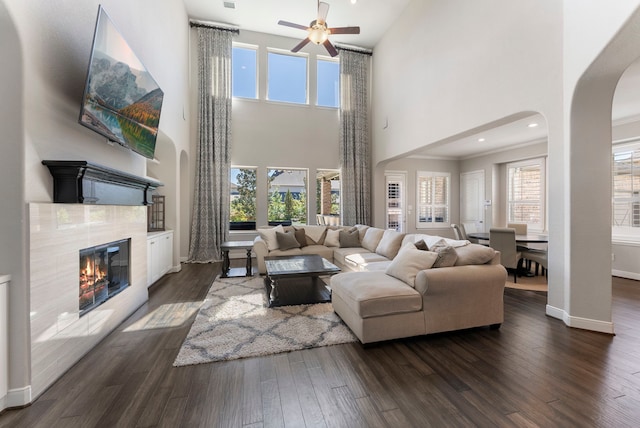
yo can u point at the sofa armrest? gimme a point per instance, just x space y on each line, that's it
261 251
450 278
459 297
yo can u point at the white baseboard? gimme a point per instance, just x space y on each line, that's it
581 323
175 269
624 274
16 398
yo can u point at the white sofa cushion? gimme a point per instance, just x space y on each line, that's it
409 262
474 254
374 294
390 243
269 236
339 254
372 238
332 239
362 258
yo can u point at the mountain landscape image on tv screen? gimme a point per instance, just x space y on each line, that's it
121 99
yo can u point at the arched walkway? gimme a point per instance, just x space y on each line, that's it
585 221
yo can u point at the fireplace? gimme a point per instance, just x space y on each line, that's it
104 272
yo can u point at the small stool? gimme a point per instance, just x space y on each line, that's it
226 246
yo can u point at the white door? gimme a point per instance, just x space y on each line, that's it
395 203
472 199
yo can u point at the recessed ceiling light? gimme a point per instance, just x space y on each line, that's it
480 140
353 1
532 125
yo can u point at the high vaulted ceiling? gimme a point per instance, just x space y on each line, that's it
374 17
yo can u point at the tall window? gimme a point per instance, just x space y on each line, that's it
244 72
328 84
526 193
287 78
626 189
287 196
433 199
395 201
243 199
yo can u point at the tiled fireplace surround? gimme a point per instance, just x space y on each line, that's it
59 336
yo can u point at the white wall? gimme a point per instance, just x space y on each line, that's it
502 58
45 48
446 67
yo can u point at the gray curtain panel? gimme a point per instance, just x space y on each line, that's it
355 149
210 217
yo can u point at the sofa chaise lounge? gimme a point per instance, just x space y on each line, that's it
392 289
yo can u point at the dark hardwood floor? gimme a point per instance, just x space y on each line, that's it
534 371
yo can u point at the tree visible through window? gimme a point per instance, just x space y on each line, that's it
243 199
287 196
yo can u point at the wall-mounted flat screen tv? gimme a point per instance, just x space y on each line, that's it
121 100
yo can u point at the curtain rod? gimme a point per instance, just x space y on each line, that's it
354 49
217 25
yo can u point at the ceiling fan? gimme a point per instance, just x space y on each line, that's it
318 30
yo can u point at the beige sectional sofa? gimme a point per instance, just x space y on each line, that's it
391 289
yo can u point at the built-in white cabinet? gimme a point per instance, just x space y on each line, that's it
159 255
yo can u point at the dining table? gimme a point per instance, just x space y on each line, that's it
529 238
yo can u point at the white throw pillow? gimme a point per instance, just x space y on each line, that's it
269 236
390 243
332 239
409 261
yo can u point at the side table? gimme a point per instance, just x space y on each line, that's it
226 246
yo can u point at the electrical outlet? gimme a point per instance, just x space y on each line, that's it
613 257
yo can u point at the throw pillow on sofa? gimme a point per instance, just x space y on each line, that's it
314 234
301 237
349 238
421 245
332 239
409 261
269 236
447 255
390 243
287 240
372 238
474 254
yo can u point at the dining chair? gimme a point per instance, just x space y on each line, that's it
470 227
459 231
320 219
539 257
521 228
503 239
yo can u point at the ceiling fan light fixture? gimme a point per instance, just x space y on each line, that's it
318 34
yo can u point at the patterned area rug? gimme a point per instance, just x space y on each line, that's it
234 322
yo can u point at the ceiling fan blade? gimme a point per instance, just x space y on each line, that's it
323 11
292 25
300 45
345 30
332 51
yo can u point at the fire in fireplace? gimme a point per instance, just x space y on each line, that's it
104 272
